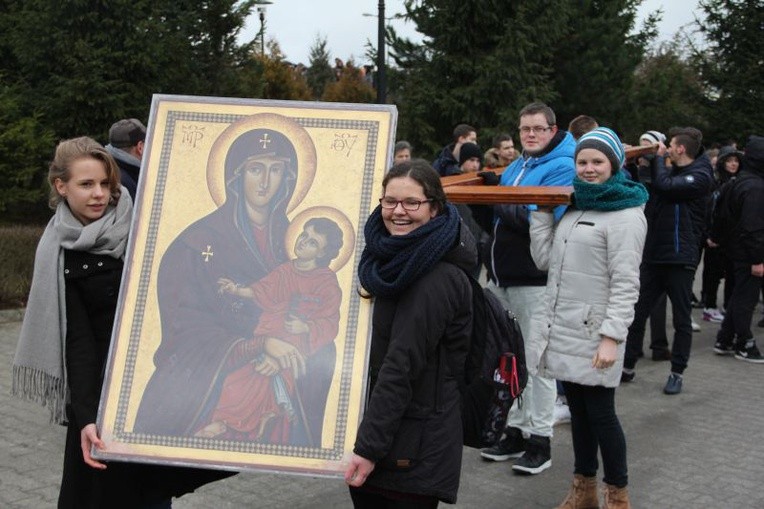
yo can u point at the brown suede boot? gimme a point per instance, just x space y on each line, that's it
582 494
616 498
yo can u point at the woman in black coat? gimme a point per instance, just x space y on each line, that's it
61 356
409 445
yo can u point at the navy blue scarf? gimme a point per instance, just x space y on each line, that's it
390 264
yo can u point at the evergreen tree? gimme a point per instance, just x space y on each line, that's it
595 61
732 67
479 63
320 72
667 92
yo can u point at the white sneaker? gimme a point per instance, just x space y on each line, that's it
695 326
561 412
712 315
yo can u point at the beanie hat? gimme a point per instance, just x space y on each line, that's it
653 137
607 142
468 151
127 133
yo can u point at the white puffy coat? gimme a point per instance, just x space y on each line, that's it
593 260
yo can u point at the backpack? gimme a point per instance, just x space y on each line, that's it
495 373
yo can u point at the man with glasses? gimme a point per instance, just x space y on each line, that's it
546 160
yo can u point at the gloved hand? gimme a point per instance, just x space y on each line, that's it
489 178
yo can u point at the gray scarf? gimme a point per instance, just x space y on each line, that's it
39 367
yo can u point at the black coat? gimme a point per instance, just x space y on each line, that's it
739 217
675 212
412 427
92 288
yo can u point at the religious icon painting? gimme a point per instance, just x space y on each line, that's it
240 341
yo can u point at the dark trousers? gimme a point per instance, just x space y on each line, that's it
713 272
595 425
370 500
658 339
676 282
745 295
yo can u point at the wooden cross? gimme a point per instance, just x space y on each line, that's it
469 188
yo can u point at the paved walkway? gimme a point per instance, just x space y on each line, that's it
701 449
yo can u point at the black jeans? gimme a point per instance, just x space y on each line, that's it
676 282
658 339
745 296
713 272
595 425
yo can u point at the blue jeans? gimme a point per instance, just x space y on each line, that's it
595 426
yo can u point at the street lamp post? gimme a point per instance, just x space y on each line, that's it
261 7
381 65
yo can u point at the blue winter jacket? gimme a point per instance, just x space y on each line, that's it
510 261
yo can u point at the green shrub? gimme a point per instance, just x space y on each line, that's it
17 250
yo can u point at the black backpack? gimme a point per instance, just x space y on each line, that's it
495 373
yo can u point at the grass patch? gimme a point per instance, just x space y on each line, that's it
17 249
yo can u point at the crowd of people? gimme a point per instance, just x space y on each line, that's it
582 279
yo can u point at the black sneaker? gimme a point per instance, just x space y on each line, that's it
537 457
661 355
761 323
511 445
749 353
721 348
673 384
627 377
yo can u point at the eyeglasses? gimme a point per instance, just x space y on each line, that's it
537 129
408 204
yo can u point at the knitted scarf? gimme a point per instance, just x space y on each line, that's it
390 264
39 367
616 193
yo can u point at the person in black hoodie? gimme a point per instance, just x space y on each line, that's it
408 449
675 228
714 262
739 229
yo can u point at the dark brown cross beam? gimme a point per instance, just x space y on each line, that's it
469 188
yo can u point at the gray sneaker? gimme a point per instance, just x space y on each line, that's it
511 445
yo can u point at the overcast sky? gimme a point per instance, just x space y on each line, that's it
296 23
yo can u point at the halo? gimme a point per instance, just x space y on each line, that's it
303 146
348 234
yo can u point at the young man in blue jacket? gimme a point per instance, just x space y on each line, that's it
547 160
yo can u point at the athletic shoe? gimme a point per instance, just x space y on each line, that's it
673 384
661 355
561 412
510 445
537 457
695 326
749 353
627 377
761 323
721 348
712 315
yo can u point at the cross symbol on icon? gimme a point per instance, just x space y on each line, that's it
265 141
207 254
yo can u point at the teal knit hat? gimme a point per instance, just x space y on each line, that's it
607 142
